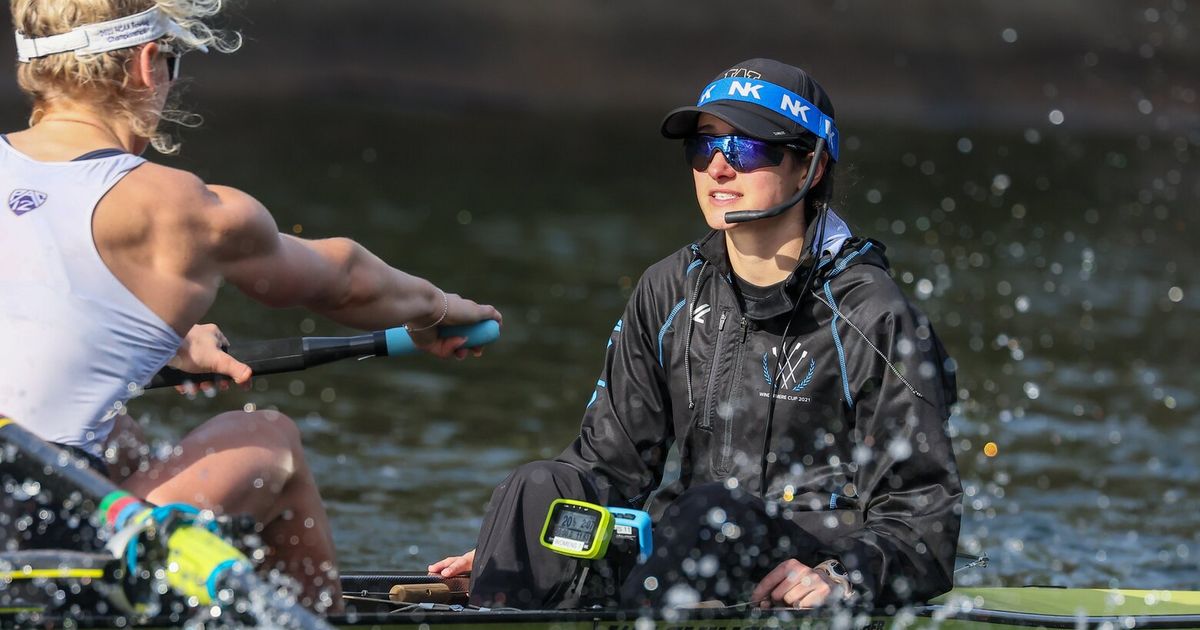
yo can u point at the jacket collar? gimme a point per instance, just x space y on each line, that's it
840 250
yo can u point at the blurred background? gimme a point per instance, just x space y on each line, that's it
1032 167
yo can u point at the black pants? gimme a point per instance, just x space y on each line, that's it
511 566
711 543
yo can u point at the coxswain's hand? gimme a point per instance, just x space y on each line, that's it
203 351
454 565
794 584
450 310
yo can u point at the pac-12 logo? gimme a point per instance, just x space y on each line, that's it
23 200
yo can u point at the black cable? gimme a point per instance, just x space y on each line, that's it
819 242
879 352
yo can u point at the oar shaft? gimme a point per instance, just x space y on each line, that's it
294 354
277 356
65 472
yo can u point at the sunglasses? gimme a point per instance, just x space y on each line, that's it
743 154
172 58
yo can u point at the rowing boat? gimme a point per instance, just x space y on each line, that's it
385 601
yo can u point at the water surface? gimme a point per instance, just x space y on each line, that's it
1057 268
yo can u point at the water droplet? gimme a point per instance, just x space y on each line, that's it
899 449
1056 117
1009 35
924 288
708 566
1000 183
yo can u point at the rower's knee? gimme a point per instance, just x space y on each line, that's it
266 428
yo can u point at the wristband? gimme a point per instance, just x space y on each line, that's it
445 311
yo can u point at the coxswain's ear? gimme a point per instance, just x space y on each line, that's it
820 169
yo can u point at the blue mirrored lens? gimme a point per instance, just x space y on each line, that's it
743 154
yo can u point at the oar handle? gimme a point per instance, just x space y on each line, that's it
478 334
293 354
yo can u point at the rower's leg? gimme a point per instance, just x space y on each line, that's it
253 463
511 567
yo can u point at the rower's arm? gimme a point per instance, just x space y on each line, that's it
335 277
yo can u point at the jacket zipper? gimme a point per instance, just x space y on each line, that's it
735 389
709 408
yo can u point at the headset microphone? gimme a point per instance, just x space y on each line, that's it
744 216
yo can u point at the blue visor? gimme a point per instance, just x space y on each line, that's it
777 99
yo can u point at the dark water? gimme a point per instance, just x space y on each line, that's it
1058 269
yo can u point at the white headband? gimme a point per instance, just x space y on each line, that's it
90 39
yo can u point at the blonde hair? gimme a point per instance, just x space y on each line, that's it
102 80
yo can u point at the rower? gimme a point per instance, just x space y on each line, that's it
116 260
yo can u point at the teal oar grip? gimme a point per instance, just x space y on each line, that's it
477 334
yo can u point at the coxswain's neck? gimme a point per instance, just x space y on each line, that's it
766 251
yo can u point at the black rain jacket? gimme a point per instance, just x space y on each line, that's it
853 455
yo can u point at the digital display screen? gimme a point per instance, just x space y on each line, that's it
580 526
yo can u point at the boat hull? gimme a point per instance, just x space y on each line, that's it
962 609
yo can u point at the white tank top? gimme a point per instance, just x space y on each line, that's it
75 344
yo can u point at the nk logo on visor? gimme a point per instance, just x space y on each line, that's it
777 99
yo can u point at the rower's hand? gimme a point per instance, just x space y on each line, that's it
203 351
454 565
459 311
794 584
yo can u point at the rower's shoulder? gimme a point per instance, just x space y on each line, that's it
182 199
169 191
